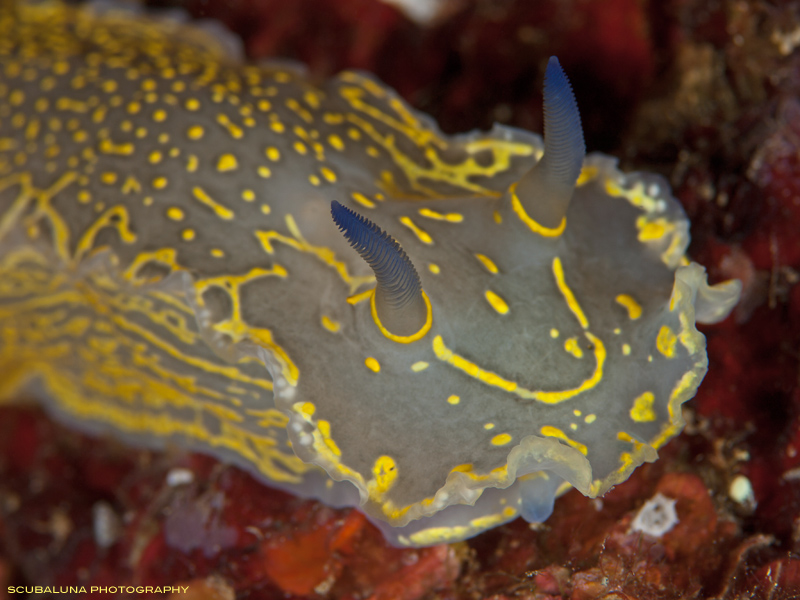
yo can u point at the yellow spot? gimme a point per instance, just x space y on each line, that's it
264 172
192 104
300 148
423 236
313 179
217 253
372 364
577 412
195 132
84 197
419 366
633 307
333 118
307 409
159 115
273 154
496 302
192 163
488 426
277 127
373 151
554 333
108 147
175 213
652 230
626 349
465 468
554 432
385 474
331 325
362 200
265 209
488 263
572 346
160 183
109 178
264 105
248 195
131 185
642 410
434 268
587 174
498 218
221 211
535 227
328 174
155 157
432 214
501 439
569 297
227 162
336 142
453 399
589 419
188 234
665 342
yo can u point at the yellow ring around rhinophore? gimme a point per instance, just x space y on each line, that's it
403 339
533 225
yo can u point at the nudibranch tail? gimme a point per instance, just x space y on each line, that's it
398 294
546 190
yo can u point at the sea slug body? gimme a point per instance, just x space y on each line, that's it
176 267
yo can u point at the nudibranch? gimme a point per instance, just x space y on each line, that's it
513 317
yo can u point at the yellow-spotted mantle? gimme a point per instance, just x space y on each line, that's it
169 272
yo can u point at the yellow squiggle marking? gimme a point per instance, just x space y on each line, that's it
555 432
569 297
326 255
117 217
402 339
459 175
221 211
437 216
534 226
488 263
632 306
443 353
235 326
421 234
